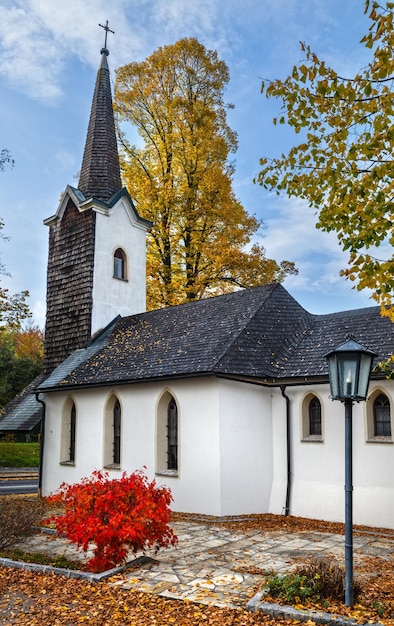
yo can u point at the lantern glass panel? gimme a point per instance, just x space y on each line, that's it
365 368
347 374
333 374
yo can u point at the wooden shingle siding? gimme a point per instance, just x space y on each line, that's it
69 285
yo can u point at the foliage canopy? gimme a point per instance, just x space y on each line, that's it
344 164
21 359
181 177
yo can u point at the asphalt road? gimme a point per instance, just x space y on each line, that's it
8 487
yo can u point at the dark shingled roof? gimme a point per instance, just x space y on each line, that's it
259 334
23 413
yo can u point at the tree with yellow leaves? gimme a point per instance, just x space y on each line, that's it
181 177
344 165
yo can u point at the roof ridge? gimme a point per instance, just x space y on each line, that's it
271 287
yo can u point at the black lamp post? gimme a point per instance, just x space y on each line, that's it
349 369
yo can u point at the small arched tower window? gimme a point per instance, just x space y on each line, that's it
120 265
314 411
381 416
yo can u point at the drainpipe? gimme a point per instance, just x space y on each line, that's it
41 443
288 449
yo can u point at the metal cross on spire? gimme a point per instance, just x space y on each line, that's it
107 30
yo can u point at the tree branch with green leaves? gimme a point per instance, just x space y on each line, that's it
344 166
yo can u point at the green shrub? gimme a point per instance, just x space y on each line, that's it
318 580
18 519
289 587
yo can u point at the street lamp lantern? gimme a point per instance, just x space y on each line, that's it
349 369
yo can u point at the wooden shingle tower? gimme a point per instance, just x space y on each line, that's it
96 260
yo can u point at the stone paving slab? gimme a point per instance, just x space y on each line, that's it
214 566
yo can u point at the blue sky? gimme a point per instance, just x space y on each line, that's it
50 52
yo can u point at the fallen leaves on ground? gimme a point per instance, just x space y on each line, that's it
28 598
270 522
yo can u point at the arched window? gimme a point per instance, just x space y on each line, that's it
314 410
117 432
112 434
120 264
68 429
172 435
72 433
381 416
311 418
167 431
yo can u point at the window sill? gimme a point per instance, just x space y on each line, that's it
112 466
173 473
312 439
123 280
380 440
69 463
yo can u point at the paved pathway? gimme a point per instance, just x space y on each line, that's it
213 565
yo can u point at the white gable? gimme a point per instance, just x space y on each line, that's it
118 228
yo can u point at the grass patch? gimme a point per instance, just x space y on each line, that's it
60 560
19 454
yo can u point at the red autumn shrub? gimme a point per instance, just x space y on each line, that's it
116 515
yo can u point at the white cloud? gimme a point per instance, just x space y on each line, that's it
291 234
38 37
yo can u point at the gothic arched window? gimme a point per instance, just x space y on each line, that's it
167 436
72 433
68 430
112 434
381 416
172 435
117 433
314 411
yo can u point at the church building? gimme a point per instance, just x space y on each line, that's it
224 400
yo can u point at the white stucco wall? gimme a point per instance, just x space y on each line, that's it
232 449
224 433
317 468
245 448
111 296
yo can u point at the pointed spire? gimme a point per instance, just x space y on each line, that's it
100 172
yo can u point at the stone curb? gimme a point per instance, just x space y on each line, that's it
256 604
70 573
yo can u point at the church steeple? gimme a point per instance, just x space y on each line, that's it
100 172
93 227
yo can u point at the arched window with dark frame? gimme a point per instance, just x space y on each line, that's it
73 414
314 410
172 435
381 416
120 268
116 432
